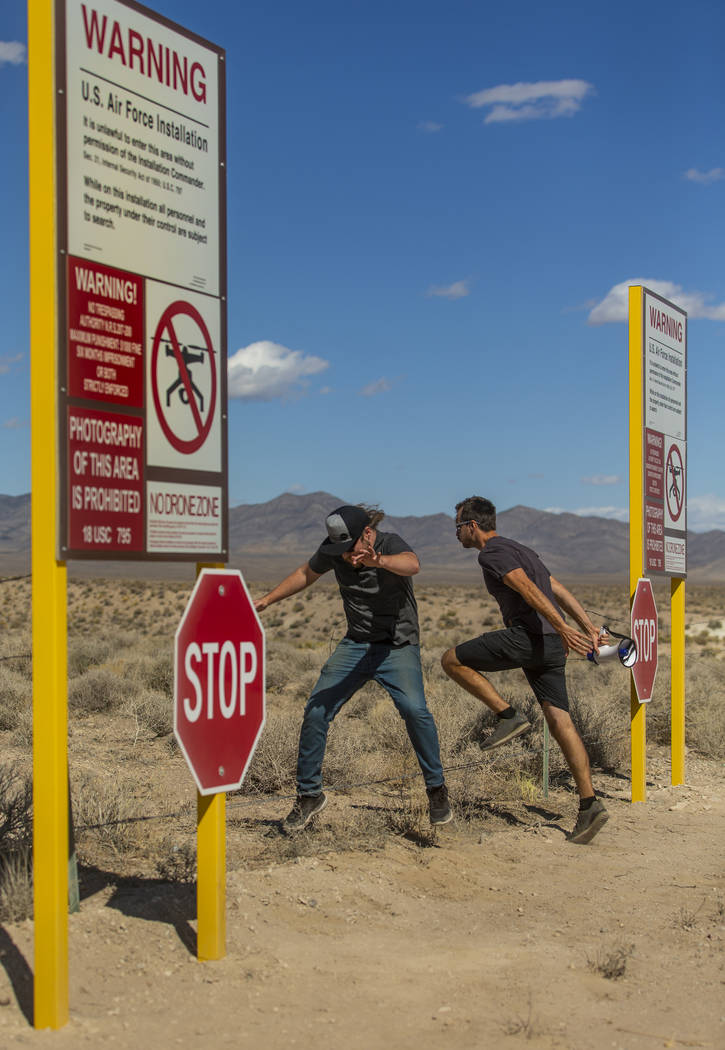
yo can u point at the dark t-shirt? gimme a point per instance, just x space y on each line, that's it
500 556
379 605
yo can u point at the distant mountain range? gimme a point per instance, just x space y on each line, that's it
265 538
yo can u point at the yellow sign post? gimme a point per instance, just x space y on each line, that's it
211 860
638 717
658 492
50 702
677 604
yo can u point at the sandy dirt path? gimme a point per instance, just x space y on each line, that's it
502 942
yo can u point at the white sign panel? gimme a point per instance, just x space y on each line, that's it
665 363
143 284
182 517
664 447
142 145
183 379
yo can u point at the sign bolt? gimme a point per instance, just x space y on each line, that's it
221 771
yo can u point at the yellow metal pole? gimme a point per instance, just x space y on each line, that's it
638 724
677 604
50 703
211 872
211 877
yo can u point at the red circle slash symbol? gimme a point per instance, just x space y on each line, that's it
675 482
184 386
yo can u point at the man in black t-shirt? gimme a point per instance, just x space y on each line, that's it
536 638
373 571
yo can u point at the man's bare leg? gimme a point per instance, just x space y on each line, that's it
564 732
473 682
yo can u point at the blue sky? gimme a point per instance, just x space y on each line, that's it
433 214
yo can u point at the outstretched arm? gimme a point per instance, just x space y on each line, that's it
296 581
403 564
517 580
570 605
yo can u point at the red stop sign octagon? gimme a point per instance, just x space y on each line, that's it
644 633
219 681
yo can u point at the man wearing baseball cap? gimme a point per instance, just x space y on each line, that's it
373 571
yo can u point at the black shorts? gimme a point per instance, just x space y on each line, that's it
540 656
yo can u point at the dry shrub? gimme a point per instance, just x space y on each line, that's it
16 886
160 675
88 651
177 862
16 692
101 812
274 763
154 711
704 704
611 962
16 809
16 830
97 690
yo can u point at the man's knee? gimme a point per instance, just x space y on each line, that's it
449 661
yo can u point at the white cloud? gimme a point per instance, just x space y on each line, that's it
457 290
429 127
325 390
705 513
617 513
6 363
705 177
14 423
12 52
602 479
379 386
543 100
264 370
615 304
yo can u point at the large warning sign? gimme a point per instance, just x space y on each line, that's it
141 138
664 444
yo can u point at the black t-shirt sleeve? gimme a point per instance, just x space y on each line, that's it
500 561
394 544
320 562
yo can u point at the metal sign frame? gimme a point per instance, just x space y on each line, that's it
196 496
664 535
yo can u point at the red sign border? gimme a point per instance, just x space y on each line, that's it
204 575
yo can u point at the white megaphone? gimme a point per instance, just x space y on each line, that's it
625 649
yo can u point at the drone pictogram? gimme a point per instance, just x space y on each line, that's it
188 359
187 429
675 482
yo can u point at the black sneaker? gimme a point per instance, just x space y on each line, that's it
589 822
438 807
506 730
304 809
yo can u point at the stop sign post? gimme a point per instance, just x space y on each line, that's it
219 681
644 633
218 719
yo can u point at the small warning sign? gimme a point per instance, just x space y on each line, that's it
183 381
675 484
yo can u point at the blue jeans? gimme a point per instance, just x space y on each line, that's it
352 665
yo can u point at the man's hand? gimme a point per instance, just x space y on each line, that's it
580 643
260 604
368 556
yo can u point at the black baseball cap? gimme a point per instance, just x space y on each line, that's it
344 528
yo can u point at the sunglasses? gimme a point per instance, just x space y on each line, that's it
460 524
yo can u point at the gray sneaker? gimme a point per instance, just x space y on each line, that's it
589 822
438 807
304 809
506 729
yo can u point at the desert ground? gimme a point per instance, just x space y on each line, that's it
370 929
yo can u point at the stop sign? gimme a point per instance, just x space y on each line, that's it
219 681
644 632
